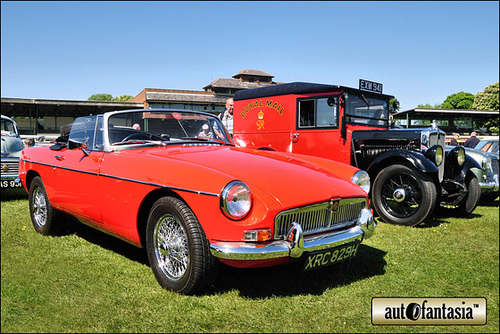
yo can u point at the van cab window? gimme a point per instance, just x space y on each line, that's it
318 113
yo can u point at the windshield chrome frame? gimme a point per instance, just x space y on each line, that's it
110 148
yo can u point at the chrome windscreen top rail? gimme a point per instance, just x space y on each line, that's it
315 218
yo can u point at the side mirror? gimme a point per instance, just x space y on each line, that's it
332 101
72 144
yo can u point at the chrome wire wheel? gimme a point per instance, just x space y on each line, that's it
39 207
171 247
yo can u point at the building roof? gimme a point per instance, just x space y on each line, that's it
193 97
419 113
257 73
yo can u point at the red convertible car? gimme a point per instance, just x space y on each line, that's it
172 181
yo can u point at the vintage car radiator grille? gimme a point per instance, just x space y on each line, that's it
494 166
369 151
320 217
10 168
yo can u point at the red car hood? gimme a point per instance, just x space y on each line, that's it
292 180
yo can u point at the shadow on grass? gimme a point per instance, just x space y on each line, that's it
285 280
106 241
289 280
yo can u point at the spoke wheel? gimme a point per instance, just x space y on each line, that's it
43 215
178 250
171 247
402 196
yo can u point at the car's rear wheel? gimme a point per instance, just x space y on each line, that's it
178 250
403 196
43 215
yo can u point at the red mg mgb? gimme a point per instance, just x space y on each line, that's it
173 182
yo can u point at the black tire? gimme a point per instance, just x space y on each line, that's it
470 201
403 196
178 250
43 215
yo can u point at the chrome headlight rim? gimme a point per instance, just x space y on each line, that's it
362 179
236 200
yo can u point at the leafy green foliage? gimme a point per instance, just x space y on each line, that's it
460 100
101 97
123 98
487 99
428 106
109 97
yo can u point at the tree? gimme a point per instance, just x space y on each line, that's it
123 98
428 106
101 97
488 99
460 100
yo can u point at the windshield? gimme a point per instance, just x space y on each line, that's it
8 128
365 110
165 126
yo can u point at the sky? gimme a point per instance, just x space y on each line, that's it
421 52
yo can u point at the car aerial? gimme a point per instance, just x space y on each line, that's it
411 172
488 175
11 150
159 179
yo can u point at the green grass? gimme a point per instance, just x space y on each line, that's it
86 281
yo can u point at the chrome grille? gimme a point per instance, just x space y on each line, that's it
10 168
320 217
494 166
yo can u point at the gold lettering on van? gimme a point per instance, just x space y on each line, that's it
275 106
250 106
258 104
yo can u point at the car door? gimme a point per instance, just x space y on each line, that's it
76 170
318 129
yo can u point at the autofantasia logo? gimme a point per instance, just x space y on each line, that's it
429 311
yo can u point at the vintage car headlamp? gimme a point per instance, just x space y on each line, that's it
435 154
362 179
236 200
486 163
457 155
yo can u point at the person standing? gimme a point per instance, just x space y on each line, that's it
227 116
454 140
472 141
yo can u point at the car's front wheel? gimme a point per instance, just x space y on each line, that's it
178 250
403 196
467 202
43 215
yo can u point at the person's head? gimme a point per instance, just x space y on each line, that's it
229 106
473 134
456 135
28 142
205 128
136 126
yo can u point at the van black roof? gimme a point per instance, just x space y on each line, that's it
293 88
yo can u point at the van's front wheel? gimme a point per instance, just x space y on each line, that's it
403 196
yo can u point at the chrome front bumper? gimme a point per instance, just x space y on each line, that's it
295 243
492 185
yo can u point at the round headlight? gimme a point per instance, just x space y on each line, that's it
457 156
236 200
461 156
435 154
362 179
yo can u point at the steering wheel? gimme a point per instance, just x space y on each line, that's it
139 135
143 135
